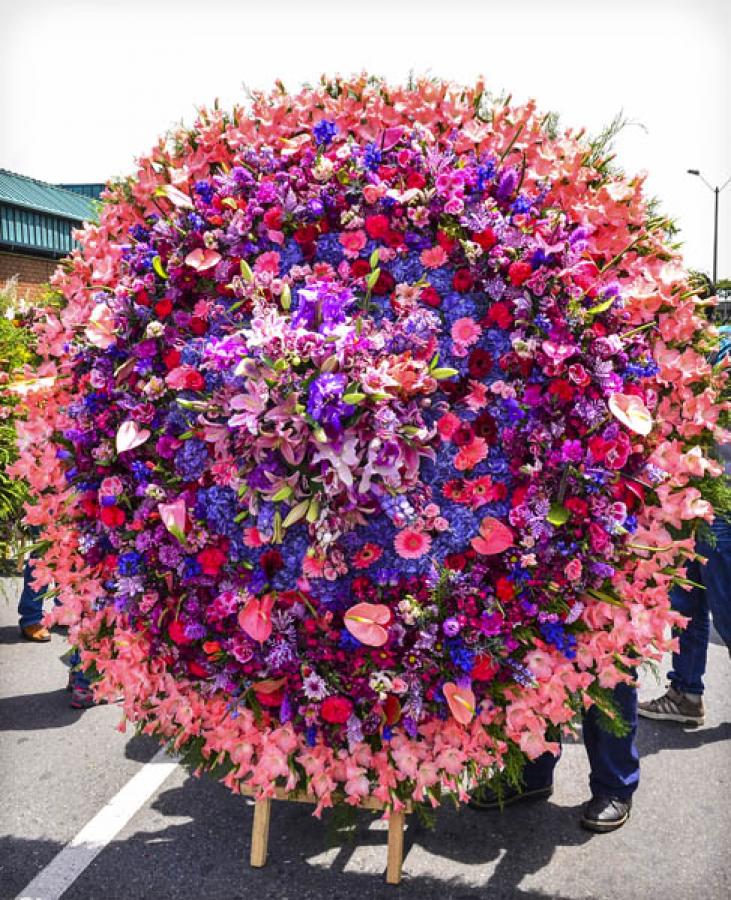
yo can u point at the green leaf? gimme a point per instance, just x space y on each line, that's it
605 597
441 374
296 513
600 307
558 514
374 259
285 297
177 532
313 511
246 272
433 364
282 494
373 278
355 398
159 268
241 516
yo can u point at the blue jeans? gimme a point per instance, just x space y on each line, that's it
699 604
614 761
30 607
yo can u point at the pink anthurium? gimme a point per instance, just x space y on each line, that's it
256 617
632 412
173 516
365 622
130 435
461 702
494 537
100 329
201 259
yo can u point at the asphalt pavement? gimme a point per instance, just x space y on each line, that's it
59 767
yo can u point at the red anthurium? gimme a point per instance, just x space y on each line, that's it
365 622
494 537
256 617
461 702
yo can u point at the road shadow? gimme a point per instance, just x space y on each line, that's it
37 712
204 852
21 860
654 736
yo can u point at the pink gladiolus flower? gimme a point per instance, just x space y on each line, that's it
412 543
471 454
365 622
461 702
100 330
130 435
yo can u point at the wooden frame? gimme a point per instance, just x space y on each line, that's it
262 819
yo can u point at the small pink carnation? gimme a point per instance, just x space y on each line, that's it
411 543
353 242
573 570
268 262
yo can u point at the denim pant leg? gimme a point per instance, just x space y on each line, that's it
689 663
717 579
538 773
30 607
614 761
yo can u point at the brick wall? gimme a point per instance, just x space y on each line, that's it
32 271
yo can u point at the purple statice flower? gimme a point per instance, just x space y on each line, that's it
170 555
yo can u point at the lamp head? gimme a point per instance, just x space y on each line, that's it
694 172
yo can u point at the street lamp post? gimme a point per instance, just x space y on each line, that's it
716 191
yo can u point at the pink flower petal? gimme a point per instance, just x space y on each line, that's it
365 622
494 537
461 702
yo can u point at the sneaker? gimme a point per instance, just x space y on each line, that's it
82 697
484 798
674 706
604 814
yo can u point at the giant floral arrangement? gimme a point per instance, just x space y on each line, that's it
379 432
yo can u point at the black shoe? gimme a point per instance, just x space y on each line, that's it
484 798
602 814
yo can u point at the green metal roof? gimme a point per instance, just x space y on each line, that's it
30 193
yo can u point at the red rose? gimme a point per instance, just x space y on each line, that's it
273 218
578 507
377 226
171 358
562 390
463 280
385 284
90 506
163 308
392 709
198 326
486 239
456 562
499 314
307 234
112 516
194 381
336 709
431 297
415 180
485 668
519 272
211 559
143 298
359 268
504 589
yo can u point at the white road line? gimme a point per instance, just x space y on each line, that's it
66 867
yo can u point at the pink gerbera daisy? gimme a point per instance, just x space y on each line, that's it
412 543
466 331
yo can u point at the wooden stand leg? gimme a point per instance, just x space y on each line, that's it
395 847
260 833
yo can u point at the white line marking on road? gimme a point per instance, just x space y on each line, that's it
66 867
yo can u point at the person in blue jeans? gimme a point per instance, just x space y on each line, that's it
614 770
683 701
30 610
